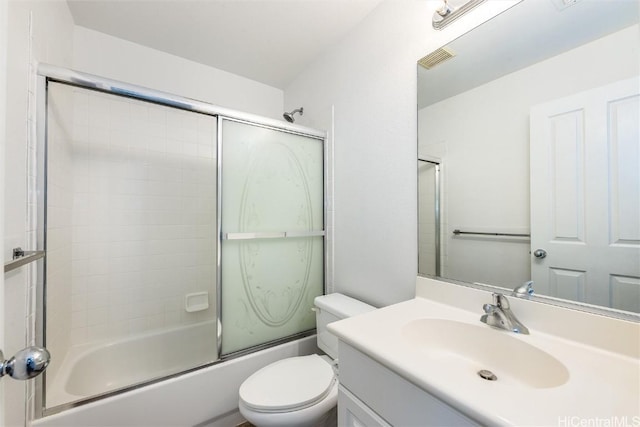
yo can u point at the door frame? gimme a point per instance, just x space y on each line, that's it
3 136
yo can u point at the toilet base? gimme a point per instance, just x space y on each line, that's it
330 419
322 414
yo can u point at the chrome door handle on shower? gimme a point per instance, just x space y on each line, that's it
26 364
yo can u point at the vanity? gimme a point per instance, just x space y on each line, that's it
371 394
417 363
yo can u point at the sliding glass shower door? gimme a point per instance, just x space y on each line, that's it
272 204
175 237
130 239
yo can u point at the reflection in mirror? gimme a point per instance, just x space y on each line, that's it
429 225
535 124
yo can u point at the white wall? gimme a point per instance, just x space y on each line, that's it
118 59
369 81
37 31
482 136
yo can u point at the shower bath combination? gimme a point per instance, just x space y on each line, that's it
289 116
163 186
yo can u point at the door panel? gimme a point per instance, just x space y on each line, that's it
272 252
585 196
624 171
567 284
567 142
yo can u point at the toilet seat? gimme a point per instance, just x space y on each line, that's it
288 385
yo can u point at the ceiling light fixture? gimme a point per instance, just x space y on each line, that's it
452 10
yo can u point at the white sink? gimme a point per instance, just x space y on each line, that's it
466 349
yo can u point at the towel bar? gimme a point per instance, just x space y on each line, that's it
21 258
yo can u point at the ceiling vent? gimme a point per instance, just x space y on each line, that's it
563 4
436 57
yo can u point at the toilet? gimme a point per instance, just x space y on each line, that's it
300 391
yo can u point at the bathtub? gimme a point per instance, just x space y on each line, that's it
96 368
204 397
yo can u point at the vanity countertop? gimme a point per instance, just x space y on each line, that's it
600 384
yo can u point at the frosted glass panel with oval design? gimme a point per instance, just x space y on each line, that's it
272 184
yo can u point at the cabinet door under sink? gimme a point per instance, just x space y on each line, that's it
353 413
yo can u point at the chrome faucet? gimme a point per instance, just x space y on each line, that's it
499 315
523 291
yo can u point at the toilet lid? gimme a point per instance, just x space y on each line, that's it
293 383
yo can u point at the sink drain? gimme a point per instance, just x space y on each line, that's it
487 375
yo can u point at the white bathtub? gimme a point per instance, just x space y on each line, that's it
92 369
208 396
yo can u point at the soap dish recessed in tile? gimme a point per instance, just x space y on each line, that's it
197 301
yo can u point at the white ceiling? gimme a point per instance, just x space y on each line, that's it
270 41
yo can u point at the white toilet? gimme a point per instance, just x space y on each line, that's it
300 391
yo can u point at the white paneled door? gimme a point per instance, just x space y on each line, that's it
585 196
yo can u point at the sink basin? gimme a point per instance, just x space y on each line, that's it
462 349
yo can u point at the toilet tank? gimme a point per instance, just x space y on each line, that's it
331 308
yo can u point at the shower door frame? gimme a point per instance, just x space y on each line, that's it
437 205
297 234
49 73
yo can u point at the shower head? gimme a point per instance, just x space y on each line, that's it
289 116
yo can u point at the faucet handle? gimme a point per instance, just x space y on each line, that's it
500 301
489 308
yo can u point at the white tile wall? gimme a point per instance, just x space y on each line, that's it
133 206
59 232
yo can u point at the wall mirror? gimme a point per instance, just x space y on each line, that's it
533 124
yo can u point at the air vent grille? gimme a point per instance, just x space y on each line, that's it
436 57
